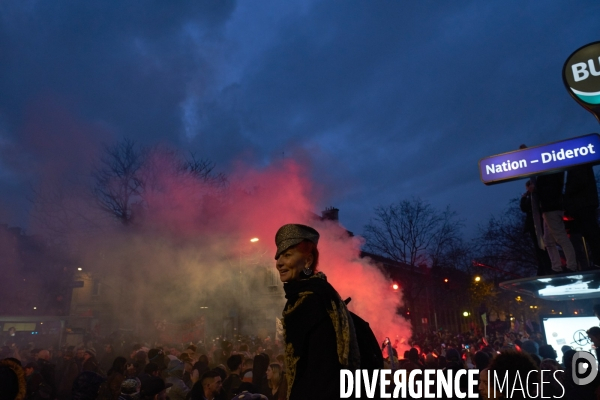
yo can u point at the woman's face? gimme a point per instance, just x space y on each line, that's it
291 263
269 373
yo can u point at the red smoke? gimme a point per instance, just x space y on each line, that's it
255 204
188 235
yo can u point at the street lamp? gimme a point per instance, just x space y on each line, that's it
465 314
477 278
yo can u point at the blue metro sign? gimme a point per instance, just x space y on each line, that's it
543 159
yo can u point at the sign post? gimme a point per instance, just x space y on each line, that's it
544 159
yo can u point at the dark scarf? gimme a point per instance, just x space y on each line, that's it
308 301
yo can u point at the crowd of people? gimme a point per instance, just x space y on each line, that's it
221 370
322 337
249 367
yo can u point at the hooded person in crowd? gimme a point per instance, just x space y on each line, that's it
179 390
318 332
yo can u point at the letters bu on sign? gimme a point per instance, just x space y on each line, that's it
581 76
547 158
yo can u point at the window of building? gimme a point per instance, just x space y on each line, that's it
95 287
273 278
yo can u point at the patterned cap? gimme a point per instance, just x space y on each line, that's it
130 386
292 234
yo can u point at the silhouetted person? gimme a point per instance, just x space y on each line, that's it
581 203
543 261
549 190
232 383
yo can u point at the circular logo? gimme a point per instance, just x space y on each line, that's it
581 74
580 337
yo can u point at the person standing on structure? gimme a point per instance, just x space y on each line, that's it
549 189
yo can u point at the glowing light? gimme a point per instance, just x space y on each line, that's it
477 278
254 240
35 308
395 286
466 314
79 269
575 312
446 280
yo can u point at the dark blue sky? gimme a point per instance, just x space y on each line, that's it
384 99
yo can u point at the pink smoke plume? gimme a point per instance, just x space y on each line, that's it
254 205
189 243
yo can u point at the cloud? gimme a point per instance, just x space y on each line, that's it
386 99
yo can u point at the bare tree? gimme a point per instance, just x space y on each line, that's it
504 245
415 233
128 176
117 182
202 169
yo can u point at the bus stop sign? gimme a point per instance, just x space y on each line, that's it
581 76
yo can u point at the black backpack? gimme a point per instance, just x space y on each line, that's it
371 357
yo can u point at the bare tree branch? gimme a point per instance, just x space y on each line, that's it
414 233
504 244
117 184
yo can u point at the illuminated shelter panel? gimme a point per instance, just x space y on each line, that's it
572 285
